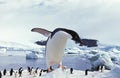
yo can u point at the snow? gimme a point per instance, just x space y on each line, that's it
59 73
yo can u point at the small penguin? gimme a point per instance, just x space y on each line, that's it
20 71
11 71
102 68
71 70
40 72
98 68
0 74
86 72
4 72
28 69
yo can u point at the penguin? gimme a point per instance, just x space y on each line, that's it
56 43
31 70
40 72
71 70
0 74
36 70
4 72
28 69
20 71
102 68
86 72
11 71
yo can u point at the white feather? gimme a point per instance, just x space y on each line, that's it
55 47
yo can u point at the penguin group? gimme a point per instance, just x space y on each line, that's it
18 73
100 68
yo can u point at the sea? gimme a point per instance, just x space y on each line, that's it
15 62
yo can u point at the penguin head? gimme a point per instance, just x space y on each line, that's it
76 38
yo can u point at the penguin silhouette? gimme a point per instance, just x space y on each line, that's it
71 70
11 71
28 69
40 72
20 71
4 72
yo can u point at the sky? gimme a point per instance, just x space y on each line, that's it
92 19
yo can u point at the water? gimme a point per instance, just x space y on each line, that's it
16 62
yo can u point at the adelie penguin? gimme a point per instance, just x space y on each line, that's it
4 72
56 43
28 69
86 72
36 70
11 71
40 72
20 71
71 70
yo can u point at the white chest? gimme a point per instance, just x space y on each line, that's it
56 45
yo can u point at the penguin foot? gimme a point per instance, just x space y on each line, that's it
49 69
61 66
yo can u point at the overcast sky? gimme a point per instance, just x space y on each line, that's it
94 19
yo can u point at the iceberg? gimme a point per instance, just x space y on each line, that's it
35 55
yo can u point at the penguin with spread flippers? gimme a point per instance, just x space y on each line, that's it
56 43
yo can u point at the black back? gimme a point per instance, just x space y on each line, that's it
74 35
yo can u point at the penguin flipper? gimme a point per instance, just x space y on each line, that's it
42 31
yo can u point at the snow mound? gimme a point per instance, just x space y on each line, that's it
103 59
114 73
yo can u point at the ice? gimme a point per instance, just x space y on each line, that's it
103 59
82 58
